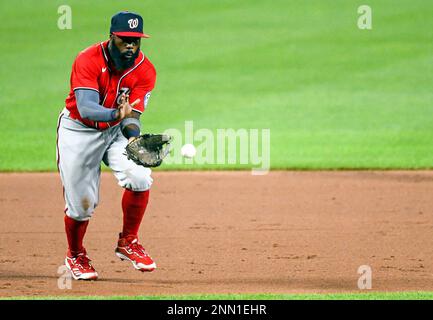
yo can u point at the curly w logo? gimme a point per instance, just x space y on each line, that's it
133 23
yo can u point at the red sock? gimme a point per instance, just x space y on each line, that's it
134 204
75 231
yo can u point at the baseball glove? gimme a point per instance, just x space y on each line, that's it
149 150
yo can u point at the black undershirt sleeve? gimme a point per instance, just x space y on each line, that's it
130 127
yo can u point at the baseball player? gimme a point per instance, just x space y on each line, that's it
97 123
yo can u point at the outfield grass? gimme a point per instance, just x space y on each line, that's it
333 96
337 296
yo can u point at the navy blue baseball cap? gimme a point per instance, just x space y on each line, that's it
127 24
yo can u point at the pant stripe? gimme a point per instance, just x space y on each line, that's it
57 141
58 152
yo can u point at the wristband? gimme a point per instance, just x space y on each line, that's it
130 127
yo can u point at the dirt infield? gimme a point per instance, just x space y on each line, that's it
230 232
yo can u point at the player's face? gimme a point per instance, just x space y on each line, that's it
127 46
124 51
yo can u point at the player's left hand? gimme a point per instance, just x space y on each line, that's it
148 150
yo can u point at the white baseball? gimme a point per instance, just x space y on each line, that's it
188 150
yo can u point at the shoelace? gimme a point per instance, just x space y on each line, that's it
84 261
138 248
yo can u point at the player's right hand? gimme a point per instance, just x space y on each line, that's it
125 109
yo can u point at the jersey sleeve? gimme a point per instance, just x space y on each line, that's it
84 73
143 89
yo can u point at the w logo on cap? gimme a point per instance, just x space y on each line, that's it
133 23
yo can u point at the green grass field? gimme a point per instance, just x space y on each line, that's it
337 296
332 95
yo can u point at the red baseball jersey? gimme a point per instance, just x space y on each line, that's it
93 70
